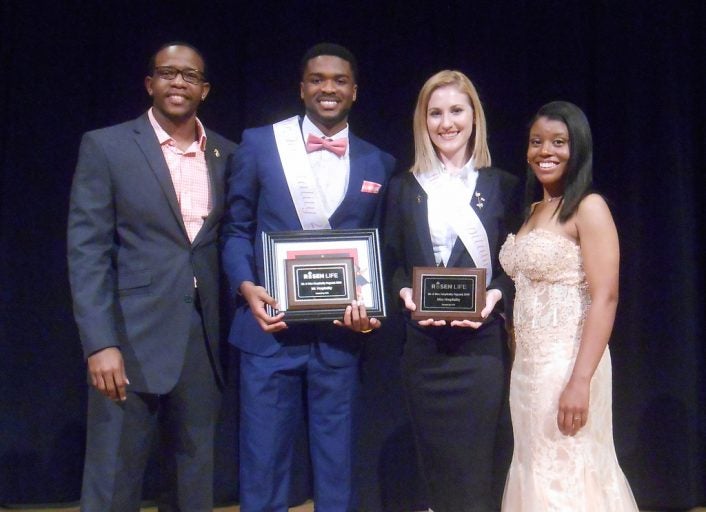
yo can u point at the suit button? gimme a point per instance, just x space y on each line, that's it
188 299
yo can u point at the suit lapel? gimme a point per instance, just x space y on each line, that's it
214 164
420 219
148 143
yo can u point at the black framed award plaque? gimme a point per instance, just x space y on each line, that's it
315 274
448 293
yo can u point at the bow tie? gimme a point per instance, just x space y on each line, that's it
337 147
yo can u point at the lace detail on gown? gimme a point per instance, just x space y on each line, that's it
550 471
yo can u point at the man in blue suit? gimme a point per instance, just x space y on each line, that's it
146 204
343 179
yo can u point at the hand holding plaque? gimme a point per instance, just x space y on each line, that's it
448 293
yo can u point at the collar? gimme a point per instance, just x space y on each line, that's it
464 172
309 127
163 137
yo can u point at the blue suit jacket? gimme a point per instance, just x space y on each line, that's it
131 264
258 200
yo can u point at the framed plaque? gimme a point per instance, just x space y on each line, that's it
448 293
315 274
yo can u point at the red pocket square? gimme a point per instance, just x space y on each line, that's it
370 187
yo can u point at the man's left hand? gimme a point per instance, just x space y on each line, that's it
356 318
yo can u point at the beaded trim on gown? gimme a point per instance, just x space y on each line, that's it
551 471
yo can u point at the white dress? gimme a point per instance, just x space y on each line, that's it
551 471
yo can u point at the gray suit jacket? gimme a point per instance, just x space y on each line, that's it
131 264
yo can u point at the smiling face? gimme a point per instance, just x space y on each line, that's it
176 101
548 153
328 90
450 124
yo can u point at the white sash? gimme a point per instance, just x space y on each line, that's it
462 219
298 173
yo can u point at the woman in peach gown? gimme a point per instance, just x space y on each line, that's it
564 261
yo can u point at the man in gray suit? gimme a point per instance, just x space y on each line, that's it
146 203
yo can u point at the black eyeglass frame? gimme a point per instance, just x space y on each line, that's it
189 75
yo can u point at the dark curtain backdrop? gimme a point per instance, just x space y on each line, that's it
635 67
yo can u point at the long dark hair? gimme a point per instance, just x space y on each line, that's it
579 169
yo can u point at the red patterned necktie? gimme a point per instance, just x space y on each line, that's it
337 147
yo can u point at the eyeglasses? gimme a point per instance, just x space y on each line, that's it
193 76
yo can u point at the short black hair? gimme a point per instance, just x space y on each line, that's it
151 64
336 50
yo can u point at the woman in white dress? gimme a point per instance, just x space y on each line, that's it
564 261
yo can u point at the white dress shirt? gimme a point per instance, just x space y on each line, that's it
330 171
455 188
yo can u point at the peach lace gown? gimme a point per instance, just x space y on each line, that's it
551 471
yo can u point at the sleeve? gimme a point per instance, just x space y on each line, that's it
90 245
240 219
511 207
389 165
394 259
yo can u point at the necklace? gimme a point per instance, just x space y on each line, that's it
552 199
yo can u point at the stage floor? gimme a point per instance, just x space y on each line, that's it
306 507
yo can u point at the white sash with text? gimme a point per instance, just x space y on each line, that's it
297 172
462 219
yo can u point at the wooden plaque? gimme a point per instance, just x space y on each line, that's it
448 293
320 283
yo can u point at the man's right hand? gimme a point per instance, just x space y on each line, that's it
107 372
257 297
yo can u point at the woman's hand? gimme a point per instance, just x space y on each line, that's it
573 406
492 297
406 296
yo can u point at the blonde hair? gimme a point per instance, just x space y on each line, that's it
425 156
